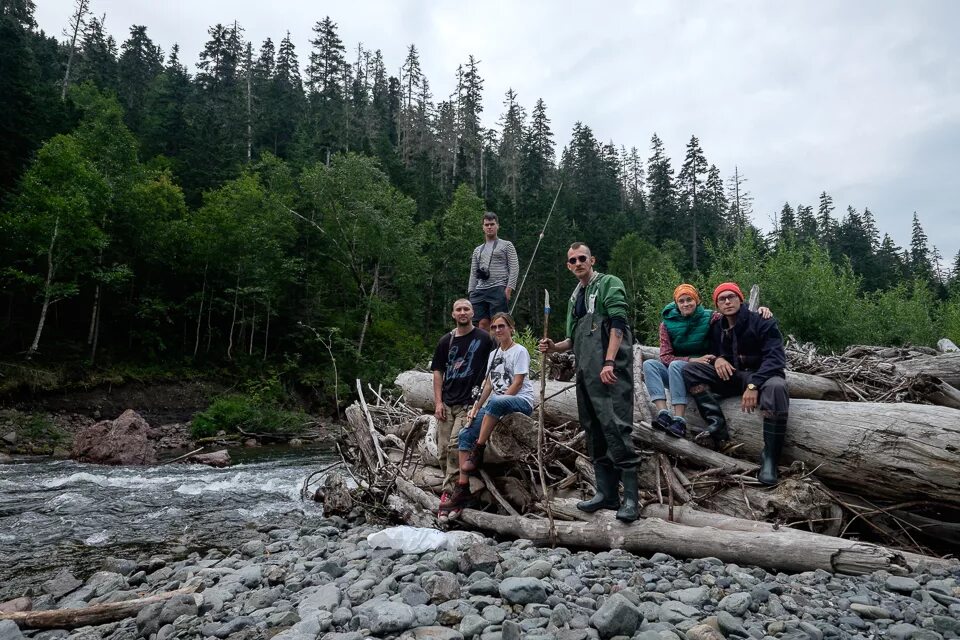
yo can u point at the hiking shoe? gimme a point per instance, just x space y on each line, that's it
475 459
677 428
663 420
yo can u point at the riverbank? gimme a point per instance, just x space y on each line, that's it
322 579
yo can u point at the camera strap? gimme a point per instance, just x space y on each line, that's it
493 249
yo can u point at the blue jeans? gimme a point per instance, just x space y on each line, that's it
497 406
657 375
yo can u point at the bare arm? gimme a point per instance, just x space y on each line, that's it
439 410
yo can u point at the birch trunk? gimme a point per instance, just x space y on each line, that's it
47 286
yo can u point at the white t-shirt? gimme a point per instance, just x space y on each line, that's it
504 365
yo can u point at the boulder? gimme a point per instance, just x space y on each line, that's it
124 441
214 459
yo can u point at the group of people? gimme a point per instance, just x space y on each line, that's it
477 380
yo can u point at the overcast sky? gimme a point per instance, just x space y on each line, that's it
860 98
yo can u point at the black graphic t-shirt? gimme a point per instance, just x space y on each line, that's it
463 361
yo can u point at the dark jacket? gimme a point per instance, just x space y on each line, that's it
753 344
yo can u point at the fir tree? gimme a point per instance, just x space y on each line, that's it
661 197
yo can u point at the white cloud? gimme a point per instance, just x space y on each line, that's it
859 98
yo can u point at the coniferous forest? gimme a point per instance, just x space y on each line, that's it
307 216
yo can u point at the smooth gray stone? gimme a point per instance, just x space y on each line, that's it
522 590
617 616
390 617
9 630
539 569
736 603
473 625
694 596
673 612
901 584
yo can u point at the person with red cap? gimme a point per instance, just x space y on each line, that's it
749 361
684 338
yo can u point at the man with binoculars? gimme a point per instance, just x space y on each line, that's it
493 273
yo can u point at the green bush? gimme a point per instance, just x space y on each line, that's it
233 413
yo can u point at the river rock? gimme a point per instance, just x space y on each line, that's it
522 590
62 584
442 586
617 617
736 603
16 605
213 459
901 584
388 617
124 441
9 630
430 633
479 557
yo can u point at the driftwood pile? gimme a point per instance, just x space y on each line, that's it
871 484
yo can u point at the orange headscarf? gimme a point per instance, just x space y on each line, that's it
688 289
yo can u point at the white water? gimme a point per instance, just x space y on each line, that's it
57 514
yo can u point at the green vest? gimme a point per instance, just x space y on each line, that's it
688 335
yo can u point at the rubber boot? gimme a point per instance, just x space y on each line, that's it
774 433
709 406
606 496
630 509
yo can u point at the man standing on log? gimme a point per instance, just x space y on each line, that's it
459 366
493 273
750 361
597 332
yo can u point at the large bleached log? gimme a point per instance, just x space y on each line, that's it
778 549
799 385
894 451
85 616
690 516
945 366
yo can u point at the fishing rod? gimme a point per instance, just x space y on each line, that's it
516 294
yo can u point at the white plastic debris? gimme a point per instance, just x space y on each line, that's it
421 539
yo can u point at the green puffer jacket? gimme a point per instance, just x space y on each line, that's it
609 299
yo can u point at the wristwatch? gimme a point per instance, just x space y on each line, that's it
751 387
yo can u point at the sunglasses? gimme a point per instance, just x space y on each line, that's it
575 259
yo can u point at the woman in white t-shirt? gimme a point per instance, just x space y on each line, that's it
509 391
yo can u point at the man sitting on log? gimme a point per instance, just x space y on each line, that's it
597 332
750 360
459 365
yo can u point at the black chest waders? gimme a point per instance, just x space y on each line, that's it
606 415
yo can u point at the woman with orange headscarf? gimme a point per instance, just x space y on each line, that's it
684 330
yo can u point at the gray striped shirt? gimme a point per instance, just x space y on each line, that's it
504 266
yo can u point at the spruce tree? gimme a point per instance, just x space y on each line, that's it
920 266
141 61
689 186
661 196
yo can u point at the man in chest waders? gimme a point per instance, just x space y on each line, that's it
597 332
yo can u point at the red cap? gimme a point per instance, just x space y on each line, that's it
727 286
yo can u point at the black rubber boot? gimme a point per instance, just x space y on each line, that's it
630 509
606 496
709 406
774 433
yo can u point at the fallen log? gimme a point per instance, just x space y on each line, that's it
945 366
890 451
88 616
693 517
764 548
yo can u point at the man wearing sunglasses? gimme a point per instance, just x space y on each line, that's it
750 362
597 332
